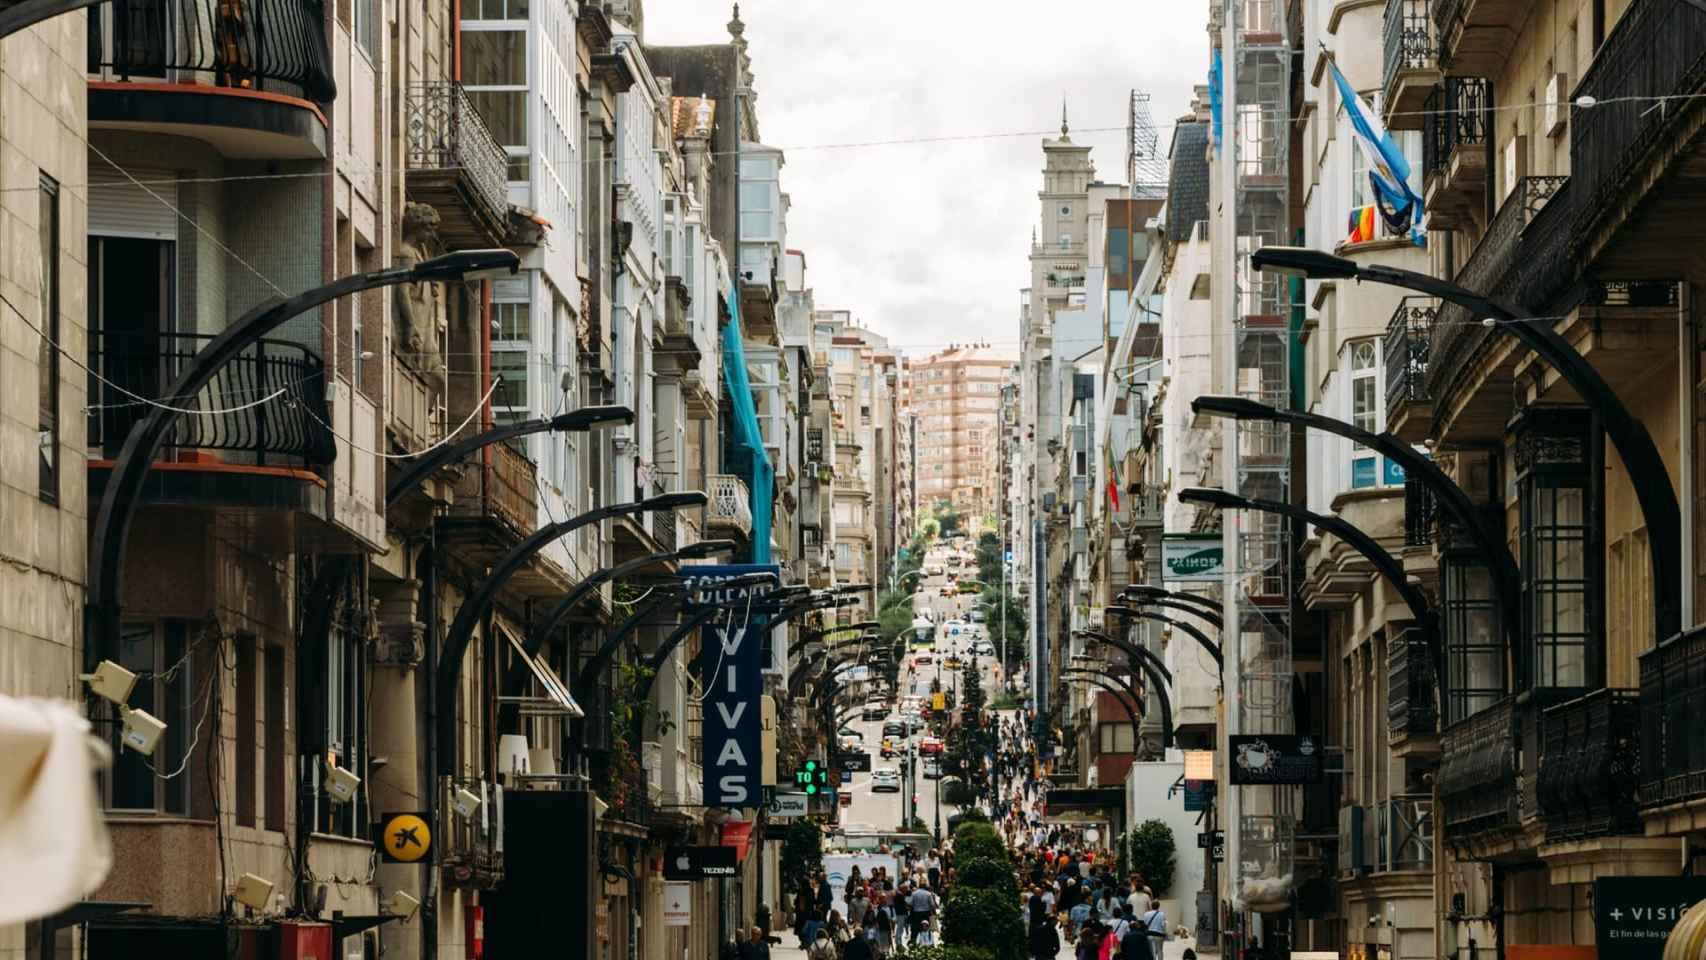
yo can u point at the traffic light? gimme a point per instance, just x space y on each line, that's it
812 778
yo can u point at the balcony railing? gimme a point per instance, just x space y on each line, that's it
455 163
663 521
1406 348
1410 685
1657 49
471 849
1478 781
1421 513
1589 766
505 489
278 46
1457 114
731 505
290 429
1404 833
1505 263
1409 40
1673 739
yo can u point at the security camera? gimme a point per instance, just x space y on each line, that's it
142 730
252 891
340 783
401 905
111 681
466 803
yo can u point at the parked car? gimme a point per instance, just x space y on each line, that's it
932 769
885 780
850 732
930 745
849 744
983 648
977 616
874 711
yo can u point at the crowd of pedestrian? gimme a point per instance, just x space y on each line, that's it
883 913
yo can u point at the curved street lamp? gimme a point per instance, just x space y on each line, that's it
1490 540
1189 630
1640 456
123 494
1384 563
475 606
1149 593
1156 673
1121 692
1213 618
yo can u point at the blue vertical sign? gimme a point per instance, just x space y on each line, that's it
733 670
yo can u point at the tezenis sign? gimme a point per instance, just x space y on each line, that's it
730 663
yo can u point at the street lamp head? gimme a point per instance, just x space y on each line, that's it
1121 609
468 265
852 588
791 590
1213 497
1238 408
1303 262
701 549
674 500
586 418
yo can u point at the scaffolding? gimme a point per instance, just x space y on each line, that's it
1254 152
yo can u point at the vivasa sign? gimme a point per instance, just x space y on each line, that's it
729 660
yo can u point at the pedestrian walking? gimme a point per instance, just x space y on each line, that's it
1044 939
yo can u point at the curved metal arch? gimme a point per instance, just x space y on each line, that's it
1130 649
1214 619
1120 691
427 464
123 494
665 650
1189 630
1148 592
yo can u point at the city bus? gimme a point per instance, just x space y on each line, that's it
923 635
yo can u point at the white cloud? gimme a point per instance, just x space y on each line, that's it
927 242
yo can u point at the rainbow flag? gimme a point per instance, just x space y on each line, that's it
1362 224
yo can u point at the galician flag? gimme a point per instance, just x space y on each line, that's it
1388 171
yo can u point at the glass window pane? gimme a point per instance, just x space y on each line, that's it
505 114
511 365
494 58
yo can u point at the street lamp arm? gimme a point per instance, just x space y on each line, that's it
1384 563
1451 497
666 649
1120 690
1628 435
1214 620
1148 593
425 465
1189 630
474 607
1136 653
123 494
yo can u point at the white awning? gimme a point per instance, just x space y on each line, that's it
556 700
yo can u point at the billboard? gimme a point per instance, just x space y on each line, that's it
730 662
1188 557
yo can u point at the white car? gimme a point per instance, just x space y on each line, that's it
983 648
885 780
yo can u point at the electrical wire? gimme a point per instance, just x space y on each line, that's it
410 455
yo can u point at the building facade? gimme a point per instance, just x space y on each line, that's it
956 396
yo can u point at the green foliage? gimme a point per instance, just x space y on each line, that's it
802 854
944 952
1148 849
974 840
949 522
987 874
985 918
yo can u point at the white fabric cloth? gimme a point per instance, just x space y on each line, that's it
53 839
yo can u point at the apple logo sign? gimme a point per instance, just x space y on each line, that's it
684 862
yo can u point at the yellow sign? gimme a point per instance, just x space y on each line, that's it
404 838
938 701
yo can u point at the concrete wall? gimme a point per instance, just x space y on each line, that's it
1147 788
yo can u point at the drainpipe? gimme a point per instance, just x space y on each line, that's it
429 773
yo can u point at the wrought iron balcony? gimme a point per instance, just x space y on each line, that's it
1404 833
1421 514
1478 782
1504 264
289 430
1406 348
1655 50
276 46
456 166
1672 738
1589 766
1410 709
1412 61
730 510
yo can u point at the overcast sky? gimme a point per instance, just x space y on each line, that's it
927 243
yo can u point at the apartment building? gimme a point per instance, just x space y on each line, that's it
956 396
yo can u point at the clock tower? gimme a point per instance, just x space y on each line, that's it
1059 254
